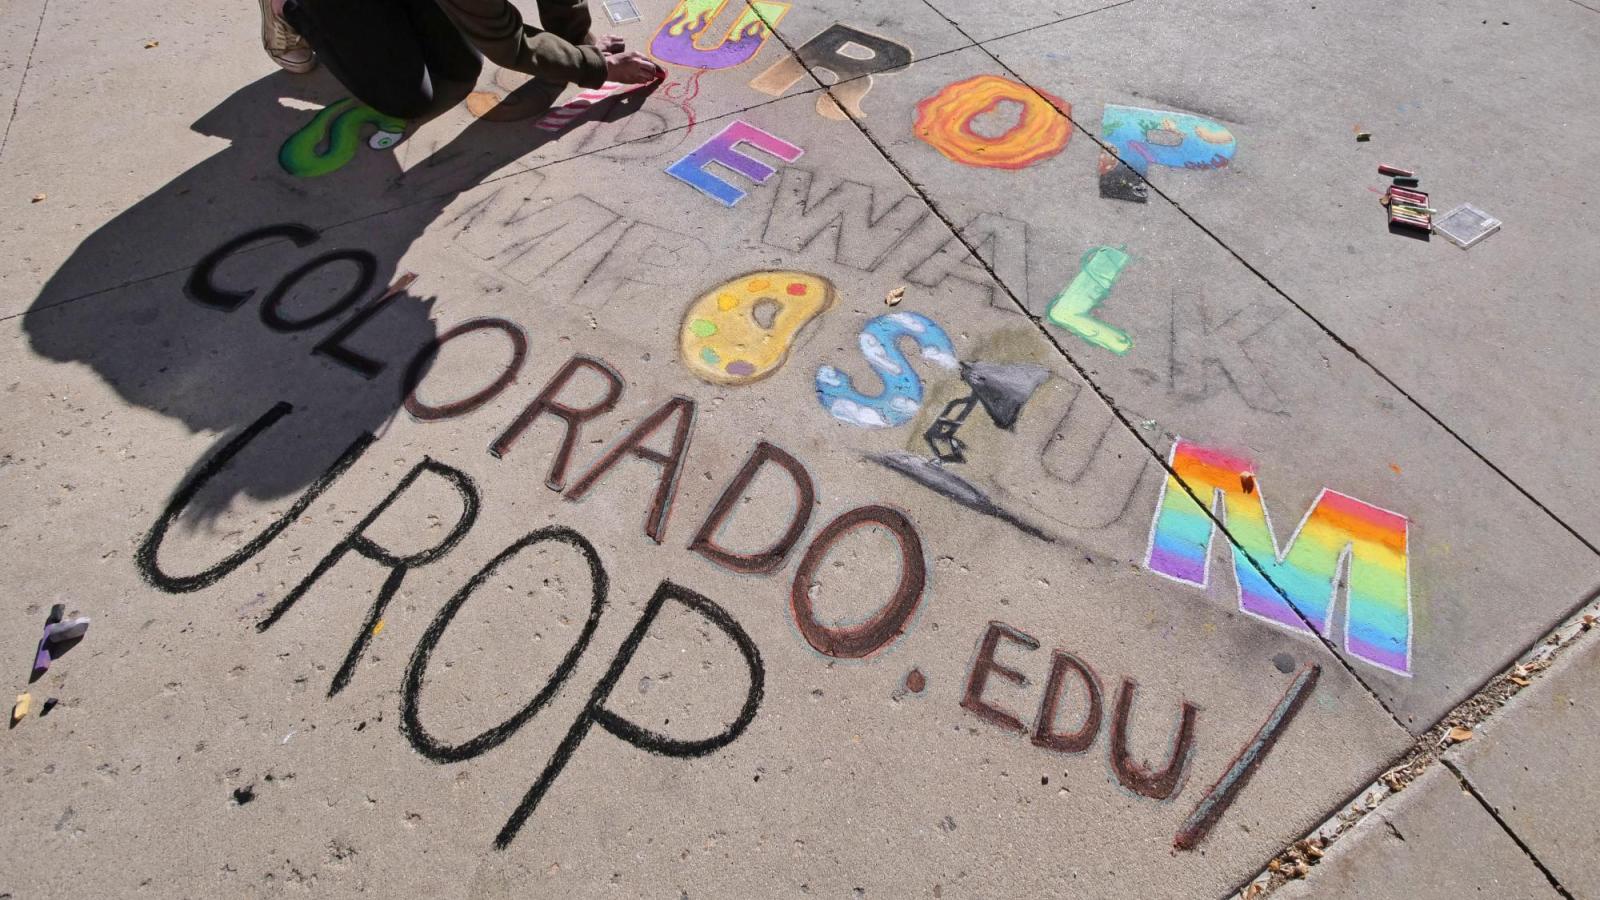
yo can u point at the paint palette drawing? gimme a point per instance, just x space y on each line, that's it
621 11
1466 225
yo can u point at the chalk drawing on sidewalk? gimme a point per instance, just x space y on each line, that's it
1153 783
742 330
945 121
723 148
1146 137
1341 540
1072 309
902 388
585 102
853 56
681 38
329 141
1221 795
931 474
1000 388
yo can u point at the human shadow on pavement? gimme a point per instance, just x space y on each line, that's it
217 347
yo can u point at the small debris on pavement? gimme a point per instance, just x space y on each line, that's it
1363 136
377 628
49 704
38 198
894 297
151 45
1466 225
1518 680
1459 735
20 709
1247 480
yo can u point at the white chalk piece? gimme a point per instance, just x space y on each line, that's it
621 11
66 631
1466 225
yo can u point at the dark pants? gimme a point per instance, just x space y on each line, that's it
404 58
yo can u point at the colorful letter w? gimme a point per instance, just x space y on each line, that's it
1336 528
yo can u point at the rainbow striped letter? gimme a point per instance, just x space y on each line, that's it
1336 528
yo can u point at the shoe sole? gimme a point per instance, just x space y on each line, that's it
294 67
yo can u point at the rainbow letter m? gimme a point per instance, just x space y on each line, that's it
1338 528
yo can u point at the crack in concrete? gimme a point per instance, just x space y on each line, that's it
1504 826
16 102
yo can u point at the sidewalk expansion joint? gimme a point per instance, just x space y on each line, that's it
16 102
1299 859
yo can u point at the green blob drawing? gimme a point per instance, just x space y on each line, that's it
702 328
331 139
1097 273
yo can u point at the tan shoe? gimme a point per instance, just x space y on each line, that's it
286 47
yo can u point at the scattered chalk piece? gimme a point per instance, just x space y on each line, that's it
20 709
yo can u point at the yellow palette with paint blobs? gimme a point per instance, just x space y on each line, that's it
741 330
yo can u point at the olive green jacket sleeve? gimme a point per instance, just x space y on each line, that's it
555 53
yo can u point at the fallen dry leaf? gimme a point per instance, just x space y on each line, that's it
151 45
894 297
1459 735
1247 480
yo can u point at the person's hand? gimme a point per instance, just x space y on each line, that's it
630 67
611 43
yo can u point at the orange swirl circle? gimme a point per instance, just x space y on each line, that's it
945 121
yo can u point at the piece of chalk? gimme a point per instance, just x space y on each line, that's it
1386 169
57 613
61 632
24 701
1407 180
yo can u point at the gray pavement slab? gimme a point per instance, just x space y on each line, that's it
1215 357
845 779
18 30
1433 842
1295 82
985 23
1532 762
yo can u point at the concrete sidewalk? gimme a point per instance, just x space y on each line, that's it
917 449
